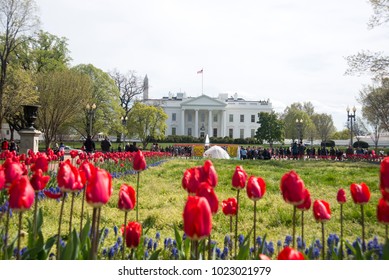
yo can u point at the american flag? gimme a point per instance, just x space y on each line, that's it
200 71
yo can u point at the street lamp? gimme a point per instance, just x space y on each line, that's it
350 118
90 110
299 125
124 122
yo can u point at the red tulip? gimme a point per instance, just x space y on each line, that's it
383 211
127 198
230 206
360 193
192 179
321 211
292 188
38 180
86 169
52 195
206 190
68 177
21 194
99 189
209 173
12 171
307 201
384 174
197 218
139 161
290 254
341 196
239 178
2 178
41 162
256 188
133 234
73 153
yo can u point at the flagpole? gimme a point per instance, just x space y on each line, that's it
202 82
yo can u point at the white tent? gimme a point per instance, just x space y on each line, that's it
216 152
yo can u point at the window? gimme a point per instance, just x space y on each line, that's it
242 133
241 118
215 132
189 131
174 117
215 118
173 131
189 117
231 133
252 118
252 133
231 116
202 117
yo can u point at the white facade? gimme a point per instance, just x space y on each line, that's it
218 117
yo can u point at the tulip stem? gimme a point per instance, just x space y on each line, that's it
209 248
82 209
137 193
294 226
341 231
93 234
6 233
255 222
363 228
236 223
35 216
71 214
302 229
19 235
59 228
323 250
231 224
97 230
124 235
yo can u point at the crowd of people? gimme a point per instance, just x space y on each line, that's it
9 145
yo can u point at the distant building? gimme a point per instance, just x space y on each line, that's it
218 117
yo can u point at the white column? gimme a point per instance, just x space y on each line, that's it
196 132
210 123
224 124
183 122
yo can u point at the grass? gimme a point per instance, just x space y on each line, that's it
162 199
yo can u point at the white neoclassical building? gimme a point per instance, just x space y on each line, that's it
218 117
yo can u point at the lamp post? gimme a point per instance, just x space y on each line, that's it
299 125
124 122
90 109
350 118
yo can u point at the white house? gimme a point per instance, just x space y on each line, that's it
218 117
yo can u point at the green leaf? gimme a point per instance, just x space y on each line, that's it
154 255
385 252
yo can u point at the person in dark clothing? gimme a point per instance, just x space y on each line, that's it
133 147
89 145
106 145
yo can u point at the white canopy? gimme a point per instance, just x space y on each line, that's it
216 152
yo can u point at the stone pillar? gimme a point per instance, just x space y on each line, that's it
196 132
210 123
183 122
224 124
29 140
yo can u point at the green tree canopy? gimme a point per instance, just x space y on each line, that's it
106 97
271 128
147 122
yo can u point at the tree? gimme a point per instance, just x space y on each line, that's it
17 22
62 96
147 122
296 111
324 125
271 128
129 86
375 63
341 135
106 96
374 130
375 103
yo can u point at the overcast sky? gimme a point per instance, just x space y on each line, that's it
287 51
